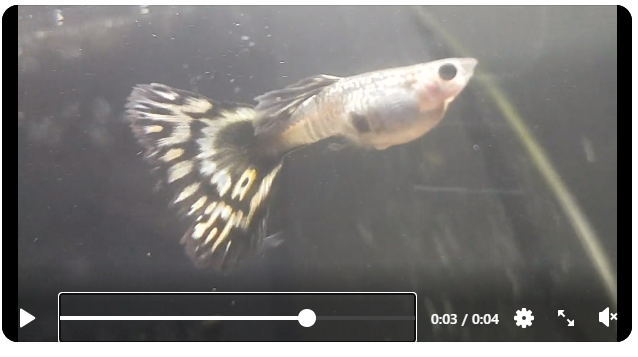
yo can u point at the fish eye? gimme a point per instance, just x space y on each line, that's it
447 72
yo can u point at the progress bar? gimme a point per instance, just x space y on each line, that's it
306 318
237 316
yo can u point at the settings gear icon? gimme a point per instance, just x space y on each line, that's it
524 318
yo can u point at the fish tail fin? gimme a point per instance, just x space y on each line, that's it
209 157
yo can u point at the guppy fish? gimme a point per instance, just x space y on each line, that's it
221 159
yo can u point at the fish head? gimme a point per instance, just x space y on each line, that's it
438 83
414 100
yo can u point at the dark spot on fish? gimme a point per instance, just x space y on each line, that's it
360 123
197 126
447 72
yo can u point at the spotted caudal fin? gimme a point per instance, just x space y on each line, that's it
209 157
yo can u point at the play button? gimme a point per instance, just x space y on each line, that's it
25 318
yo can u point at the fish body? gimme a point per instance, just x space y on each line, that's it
377 109
221 159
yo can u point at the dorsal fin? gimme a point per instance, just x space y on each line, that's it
275 108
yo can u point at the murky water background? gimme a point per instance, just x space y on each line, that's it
462 217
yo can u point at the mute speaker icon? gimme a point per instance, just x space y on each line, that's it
603 317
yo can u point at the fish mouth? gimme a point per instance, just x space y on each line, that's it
468 65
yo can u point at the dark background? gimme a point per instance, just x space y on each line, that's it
461 217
